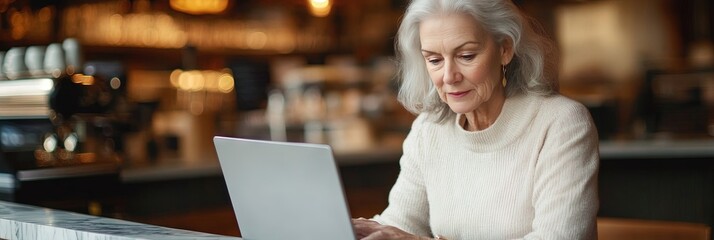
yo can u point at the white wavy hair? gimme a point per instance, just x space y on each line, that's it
532 69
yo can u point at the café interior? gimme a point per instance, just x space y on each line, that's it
108 107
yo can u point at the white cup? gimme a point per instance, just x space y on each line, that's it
34 60
54 59
14 63
72 54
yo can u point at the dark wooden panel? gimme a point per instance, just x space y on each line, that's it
658 189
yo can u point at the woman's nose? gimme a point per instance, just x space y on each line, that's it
451 73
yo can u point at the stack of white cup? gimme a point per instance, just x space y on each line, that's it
40 61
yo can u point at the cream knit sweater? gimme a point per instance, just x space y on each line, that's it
530 175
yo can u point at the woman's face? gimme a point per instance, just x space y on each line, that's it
463 60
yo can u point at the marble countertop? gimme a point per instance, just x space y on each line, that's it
18 221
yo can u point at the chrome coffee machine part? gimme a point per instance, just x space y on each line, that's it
25 98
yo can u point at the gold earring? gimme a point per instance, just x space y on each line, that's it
504 81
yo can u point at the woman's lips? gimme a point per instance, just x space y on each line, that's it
458 94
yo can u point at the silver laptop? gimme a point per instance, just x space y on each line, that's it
284 190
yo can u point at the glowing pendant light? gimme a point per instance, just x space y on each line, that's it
199 7
320 8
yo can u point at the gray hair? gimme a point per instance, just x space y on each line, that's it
532 69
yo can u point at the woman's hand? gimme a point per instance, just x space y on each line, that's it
370 230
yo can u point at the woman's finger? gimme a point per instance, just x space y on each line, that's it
364 227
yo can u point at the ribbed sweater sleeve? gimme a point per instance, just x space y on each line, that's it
408 207
567 165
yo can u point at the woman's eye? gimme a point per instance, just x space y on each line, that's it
468 57
434 61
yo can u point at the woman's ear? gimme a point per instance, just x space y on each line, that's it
506 51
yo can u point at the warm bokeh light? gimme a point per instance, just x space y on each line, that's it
56 73
199 7
198 81
225 83
174 77
83 79
257 40
184 81
115 83
320 8
106 24
205 80
19 21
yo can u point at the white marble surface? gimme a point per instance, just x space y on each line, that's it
24 222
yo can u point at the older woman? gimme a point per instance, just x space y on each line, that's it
495 152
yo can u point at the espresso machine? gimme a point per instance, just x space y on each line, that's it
57 137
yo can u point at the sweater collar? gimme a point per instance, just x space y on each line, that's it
517 114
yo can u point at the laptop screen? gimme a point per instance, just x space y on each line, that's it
283 190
